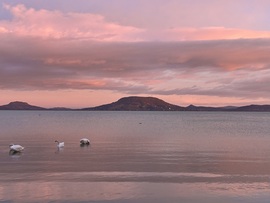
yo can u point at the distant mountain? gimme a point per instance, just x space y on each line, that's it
138 104
17 105
202 108
154 104
228 108
255 108
135 103
60 109
258 108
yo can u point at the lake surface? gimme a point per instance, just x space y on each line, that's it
156 157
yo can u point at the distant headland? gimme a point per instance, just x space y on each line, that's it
135 103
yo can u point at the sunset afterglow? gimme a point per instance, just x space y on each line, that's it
88 53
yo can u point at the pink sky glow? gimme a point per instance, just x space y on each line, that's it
56 56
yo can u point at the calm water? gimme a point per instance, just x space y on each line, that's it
191 157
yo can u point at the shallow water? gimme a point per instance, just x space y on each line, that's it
135 157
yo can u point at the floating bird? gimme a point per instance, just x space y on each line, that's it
60 144
84 141
16 148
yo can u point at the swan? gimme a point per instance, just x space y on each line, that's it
16 148
84 141
60 144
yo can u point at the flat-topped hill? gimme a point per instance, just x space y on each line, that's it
138 104
17 105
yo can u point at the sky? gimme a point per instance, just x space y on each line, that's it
86 53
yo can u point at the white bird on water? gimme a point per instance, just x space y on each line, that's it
84 141
60 144
16 148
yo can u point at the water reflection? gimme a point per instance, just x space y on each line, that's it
82 145
133 192
59 150
172 157
15 154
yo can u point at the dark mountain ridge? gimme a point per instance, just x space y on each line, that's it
253 107
138 104
17 105
135 103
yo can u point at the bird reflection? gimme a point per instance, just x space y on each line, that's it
15 154
84 145
59 150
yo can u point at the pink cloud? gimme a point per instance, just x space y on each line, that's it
42 50
213 33
56 24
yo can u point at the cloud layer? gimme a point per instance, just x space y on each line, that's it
58 25
51 50
209 67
